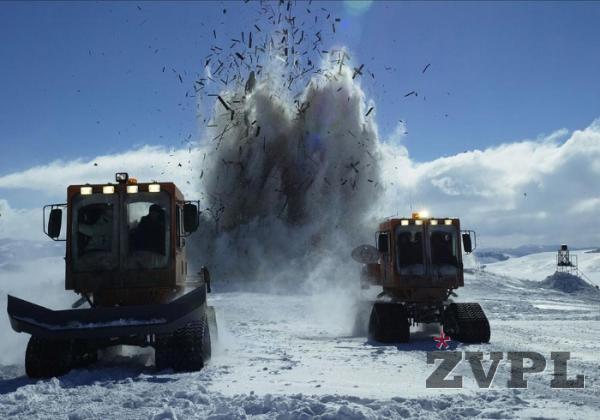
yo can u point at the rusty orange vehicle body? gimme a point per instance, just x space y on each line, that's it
126 256
418 264
121 282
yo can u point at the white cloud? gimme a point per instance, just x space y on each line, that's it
534 191
20 223
49 182
521 192
145 163
590 205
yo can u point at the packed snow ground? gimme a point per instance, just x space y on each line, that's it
282 356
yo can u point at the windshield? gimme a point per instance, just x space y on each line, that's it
443 242
93 224
148 230
409 242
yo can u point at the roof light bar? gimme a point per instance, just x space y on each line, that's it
85 191
404 222
448 222
154 188
132 189
108 189
433 222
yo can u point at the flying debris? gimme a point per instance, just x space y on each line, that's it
411 93
425 69
358 71
223 103
276 162
250 83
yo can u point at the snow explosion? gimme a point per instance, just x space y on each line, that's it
290 182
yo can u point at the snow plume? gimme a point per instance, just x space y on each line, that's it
290 180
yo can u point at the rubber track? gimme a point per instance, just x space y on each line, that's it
388 323
186 350
470 321
47 358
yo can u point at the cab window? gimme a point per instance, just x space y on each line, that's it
94 232
148 230
409 247
443 246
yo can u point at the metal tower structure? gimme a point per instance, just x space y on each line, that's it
565 262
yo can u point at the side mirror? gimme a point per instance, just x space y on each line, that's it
191 218
467 245
383 242
54 223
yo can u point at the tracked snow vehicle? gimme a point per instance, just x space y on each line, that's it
418 263
126 257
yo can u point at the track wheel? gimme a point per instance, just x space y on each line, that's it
186 350
467 323
45 358
388 323
164 353
83 354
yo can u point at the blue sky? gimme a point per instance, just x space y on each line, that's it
83 79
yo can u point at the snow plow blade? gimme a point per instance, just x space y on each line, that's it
105 322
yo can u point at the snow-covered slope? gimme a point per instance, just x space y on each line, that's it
282 356
537 267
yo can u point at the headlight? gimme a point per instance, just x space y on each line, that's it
154 188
